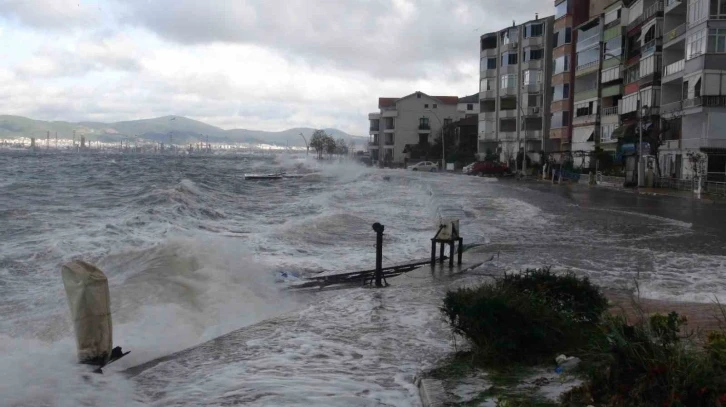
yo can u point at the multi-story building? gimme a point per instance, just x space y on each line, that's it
514 93
693 97
568 14
405 125
615 23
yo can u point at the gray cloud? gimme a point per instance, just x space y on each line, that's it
49 14
383 37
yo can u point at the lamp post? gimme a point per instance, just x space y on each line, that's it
443 142
644 111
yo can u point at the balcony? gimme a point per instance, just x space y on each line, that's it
673 107
610 111
533 135
374 129
507 113
586 119
534 88
488 135
388 142
533 111
674 33
489 52
655 9
373 144
508 135
487 115
424 126
586 68
650 47
675 67
389 129
586 94
390 113
588 42
511 90
705 101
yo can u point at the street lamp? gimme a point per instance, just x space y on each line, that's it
443 142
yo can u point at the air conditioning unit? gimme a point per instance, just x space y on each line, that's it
535 109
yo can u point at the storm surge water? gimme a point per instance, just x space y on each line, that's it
193 251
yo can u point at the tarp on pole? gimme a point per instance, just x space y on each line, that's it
90 303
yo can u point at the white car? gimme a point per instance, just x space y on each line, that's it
424 166
468 168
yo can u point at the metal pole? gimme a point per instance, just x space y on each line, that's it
378 228
641 174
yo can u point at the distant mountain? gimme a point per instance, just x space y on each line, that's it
182 130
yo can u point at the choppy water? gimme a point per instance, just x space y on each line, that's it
192 251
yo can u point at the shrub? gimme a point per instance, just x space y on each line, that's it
527 317
653 363
576 297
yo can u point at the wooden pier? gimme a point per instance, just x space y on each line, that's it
361 277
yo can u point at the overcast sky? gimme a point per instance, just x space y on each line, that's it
267 64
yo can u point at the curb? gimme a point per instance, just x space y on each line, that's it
431 391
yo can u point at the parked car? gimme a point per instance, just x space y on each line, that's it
424 166
468 168
489 168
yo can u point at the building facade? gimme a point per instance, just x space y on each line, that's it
514 92
404 126
693 93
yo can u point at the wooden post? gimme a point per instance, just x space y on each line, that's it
451 253
441 252
461 248
433 251
378 228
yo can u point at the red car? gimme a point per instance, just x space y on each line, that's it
489 168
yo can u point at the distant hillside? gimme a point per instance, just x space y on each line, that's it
182 129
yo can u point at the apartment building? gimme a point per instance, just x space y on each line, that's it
404 126
514 92
568 14
693 89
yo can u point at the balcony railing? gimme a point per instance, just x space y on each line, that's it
671 107
373 143
610 111
388 142
375 128
675 33
424 126
707 101
587 65
649 47
651 11
589 118
586 42
675 67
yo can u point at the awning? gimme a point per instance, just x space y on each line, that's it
583 134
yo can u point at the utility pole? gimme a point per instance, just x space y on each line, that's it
307 146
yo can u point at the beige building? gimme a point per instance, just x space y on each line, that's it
406 126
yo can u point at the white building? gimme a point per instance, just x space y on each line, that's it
409 124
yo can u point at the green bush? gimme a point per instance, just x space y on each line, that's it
527 317
573 296
653 363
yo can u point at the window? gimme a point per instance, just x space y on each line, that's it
561 9
562 37
606 132
532 77
695 45
716 40
697 88
585 109
632 74
614 47
470 106
588 58
487 84
560 92
509 58
532 100
533 30
649 35
530 54
447 122
435 105
560 119
509 81
568 35
426 106
492 63
718 9
423 123
508 36
612 16
696 11
561 64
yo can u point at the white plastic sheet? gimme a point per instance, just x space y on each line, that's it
90 303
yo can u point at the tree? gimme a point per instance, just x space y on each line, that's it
341 148
319 141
